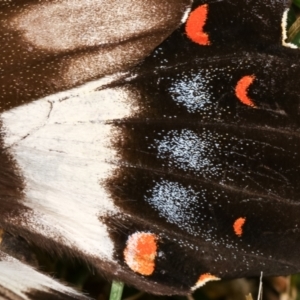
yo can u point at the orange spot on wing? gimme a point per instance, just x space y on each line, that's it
140 252
241 90
238 226
203 279
195 23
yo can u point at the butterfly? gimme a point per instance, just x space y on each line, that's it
158 141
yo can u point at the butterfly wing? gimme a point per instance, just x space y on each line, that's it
182 171
21 282
49 46
211 156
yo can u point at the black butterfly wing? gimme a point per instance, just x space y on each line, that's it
182 172
212 156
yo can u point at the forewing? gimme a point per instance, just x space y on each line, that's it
48 46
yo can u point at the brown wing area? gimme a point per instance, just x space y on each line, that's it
49 46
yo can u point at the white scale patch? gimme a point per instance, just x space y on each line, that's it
62 145
188 150
21 279
178 204
192 92
207 154
181 205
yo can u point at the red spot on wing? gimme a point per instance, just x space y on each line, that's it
241 90
238 226
203 279
195 23
140 252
